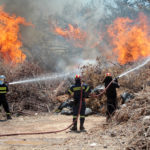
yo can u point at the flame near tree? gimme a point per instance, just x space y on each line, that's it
10 44
131 38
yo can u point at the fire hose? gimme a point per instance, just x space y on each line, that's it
57 131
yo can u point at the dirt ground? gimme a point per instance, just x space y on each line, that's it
95 138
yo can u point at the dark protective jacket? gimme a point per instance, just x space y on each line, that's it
3 89
75 90
111 91
3 100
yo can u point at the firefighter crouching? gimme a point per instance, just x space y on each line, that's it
75 91
111 95
3 100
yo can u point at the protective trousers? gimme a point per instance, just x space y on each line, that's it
82 114
111 107
4 103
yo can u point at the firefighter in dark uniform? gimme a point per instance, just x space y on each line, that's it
75 91
111 95
3 100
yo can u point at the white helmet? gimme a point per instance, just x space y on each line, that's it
2 77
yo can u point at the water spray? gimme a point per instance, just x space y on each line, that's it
55 76
136 68
70 74
46 78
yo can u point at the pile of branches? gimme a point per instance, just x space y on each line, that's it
35 96
133 119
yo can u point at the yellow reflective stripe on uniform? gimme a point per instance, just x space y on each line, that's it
78 88
2 88
1 92
7 113
82 116
87 89
74 117
70 91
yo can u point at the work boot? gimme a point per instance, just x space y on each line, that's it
82 129
82 125
8 117
74 128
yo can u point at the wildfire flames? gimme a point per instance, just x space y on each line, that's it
72 33
9 39
131 38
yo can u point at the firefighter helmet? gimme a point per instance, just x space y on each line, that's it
77 78
2 77
108 75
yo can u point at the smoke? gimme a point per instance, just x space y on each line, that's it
51 51
40 43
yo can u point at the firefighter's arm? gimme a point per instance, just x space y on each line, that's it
88 91
6 84
116 82
70 92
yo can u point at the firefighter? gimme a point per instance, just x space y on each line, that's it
76 90
111 95
3 100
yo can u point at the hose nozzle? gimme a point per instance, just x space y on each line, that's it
116 79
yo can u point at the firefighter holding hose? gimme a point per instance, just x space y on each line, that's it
3 100
79 92
111 94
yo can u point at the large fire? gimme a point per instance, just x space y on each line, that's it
73 33
10 44
131 38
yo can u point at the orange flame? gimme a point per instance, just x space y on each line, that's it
9 39
131 38
72 33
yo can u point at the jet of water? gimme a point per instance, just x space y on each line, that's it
46 78
70 74
136 68
54 76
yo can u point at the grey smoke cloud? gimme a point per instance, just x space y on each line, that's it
42 44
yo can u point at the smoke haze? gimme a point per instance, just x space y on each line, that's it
51 51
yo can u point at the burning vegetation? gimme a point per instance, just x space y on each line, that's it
130 38
73 34
78 37
10 43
